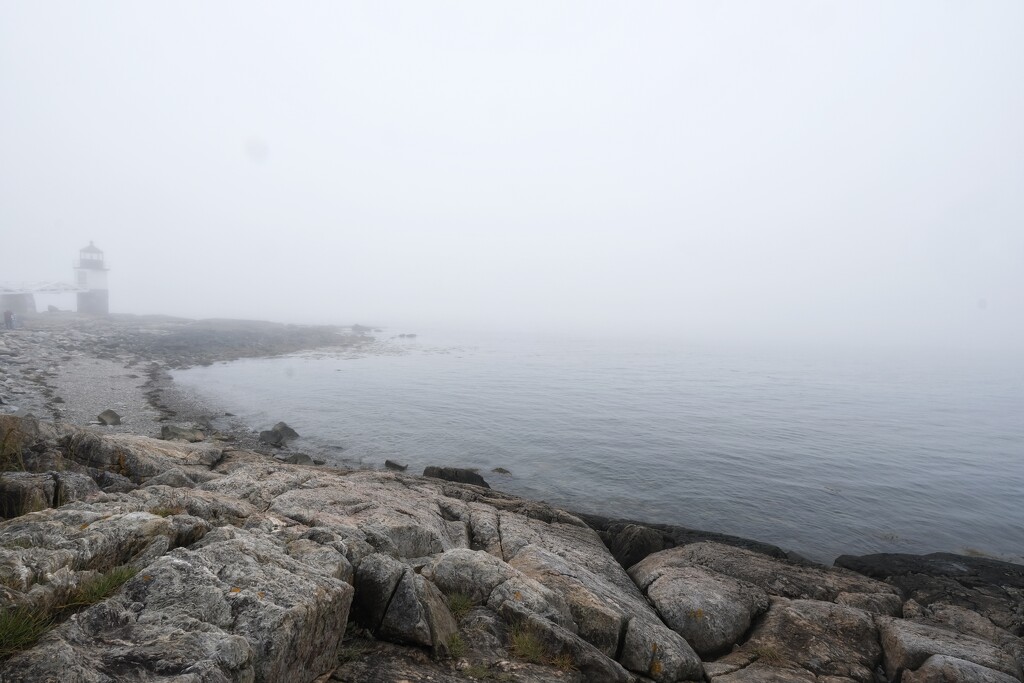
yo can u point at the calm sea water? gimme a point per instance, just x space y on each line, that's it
821 453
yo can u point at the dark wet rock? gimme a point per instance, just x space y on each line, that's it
24 492
989 587
500 470
633 543
972 571
376 578
108 417
271 438
286 432
631 540
278 435
418 613
456 474
392 465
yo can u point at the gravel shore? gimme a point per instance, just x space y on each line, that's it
70 368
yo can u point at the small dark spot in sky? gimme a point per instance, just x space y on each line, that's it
983 304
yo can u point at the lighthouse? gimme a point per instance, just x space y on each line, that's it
91 280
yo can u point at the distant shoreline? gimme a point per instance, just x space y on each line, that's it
131 357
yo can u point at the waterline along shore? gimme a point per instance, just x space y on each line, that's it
216 554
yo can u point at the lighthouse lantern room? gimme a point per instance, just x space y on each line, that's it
91 280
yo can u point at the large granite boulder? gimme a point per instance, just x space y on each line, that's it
782 578
234 606
711 611
609 610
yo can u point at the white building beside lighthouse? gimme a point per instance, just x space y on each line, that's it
91 276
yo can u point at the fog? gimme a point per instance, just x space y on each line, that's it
785 171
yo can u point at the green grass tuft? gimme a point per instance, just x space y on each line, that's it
563 662
459 604
456 646
768 655
13 441
20 628
526 645
480 672
91 591
167 510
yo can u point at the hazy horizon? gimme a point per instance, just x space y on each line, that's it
788 172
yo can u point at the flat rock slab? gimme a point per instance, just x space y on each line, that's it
942 669
973 571
909 644
776 576
823 638
762 673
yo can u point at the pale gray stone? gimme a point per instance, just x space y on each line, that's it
908 645
711 611
773 576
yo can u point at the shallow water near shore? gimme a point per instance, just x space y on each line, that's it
819 452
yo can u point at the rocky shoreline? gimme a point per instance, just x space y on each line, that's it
128 558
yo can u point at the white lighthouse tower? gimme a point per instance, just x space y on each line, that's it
91 276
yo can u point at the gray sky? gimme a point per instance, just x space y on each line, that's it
785 170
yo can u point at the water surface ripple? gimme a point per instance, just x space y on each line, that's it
819 453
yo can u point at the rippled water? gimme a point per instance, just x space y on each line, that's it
820 453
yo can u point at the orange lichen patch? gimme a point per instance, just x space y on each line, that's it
655 668
518 596
147 578
262 594
235 589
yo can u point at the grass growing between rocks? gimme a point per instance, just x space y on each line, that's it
563 662
456 646
21 627
12 441
479 672
91 591
459 604
768 655
167 510
526 645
